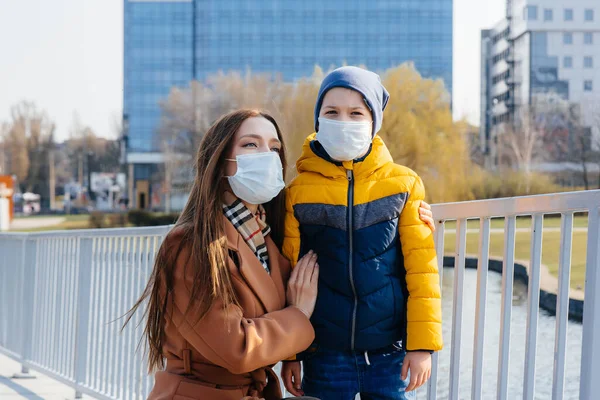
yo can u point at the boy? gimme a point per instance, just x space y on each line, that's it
378 312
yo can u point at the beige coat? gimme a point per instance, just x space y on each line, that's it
228 354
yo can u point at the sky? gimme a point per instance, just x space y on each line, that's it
67 57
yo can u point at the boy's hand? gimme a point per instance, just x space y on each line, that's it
419 364
290 373
426 215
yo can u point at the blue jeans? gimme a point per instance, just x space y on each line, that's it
336 375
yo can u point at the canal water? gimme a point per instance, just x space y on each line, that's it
545 345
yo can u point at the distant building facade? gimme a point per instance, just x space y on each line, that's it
541 47
171 42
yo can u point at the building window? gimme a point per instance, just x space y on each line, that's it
588 38
568 14
588 62
567 38
588 86
568 62
589 15
530 13
548 14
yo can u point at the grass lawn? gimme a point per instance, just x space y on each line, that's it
77 221
550 249
580 221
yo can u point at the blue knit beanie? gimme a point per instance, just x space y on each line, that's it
365 82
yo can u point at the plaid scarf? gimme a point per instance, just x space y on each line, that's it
253 228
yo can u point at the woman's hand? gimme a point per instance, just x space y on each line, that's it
302 286
426 215
419 365
291 376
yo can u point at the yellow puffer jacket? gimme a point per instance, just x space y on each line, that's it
379 280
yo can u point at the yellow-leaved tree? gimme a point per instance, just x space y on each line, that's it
417 126
420 134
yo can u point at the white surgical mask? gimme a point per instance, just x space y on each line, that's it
259 177
344 140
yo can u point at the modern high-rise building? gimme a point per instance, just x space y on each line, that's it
171 42
542 47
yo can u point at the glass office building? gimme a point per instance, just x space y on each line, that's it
170 42
158 55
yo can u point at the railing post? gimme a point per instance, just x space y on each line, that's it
84 282
590 356
27 287
457 307
533 306
439 249
508 276
482 279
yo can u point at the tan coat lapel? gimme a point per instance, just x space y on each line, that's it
268 290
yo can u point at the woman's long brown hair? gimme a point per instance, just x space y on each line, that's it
203 235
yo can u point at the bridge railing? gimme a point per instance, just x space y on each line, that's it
61 298
565 204
62 293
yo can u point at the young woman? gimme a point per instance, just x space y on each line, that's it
218 310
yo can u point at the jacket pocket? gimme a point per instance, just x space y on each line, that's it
399 302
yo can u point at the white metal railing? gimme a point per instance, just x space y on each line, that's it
59 292
565 204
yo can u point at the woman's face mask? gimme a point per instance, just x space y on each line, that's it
259 177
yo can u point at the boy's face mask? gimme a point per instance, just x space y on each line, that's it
345 140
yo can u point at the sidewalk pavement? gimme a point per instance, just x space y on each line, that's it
33 223
40 388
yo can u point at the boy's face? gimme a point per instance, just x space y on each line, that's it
342 104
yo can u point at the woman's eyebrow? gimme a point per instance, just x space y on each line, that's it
259 137
251 135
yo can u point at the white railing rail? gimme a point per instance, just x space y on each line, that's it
565 204
61 296
59 292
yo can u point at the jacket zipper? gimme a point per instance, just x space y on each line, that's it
350 176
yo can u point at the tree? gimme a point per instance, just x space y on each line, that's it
29 139
15 150
3 149
549 130
523 144
567 140
580 142
592 115
417 126
188 113
420 133
89 153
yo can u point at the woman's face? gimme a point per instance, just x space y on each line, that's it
342 104
256 135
